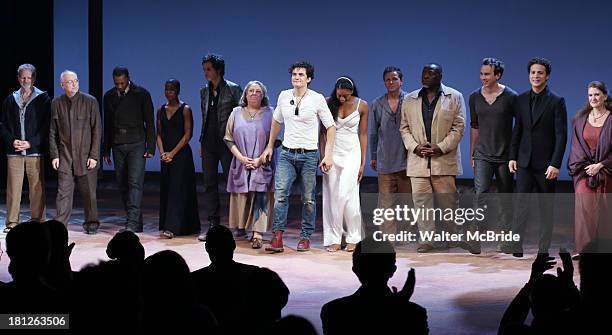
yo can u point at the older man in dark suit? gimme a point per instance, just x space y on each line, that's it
536 152
74 145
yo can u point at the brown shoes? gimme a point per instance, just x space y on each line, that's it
303 245
423 248
276 245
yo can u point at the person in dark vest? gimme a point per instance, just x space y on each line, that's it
218 99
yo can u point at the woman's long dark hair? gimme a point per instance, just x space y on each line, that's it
333 103
586 109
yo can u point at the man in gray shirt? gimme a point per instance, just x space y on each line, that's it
492 111
387 151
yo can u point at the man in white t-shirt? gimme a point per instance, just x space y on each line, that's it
300 110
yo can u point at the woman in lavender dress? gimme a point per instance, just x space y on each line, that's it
250 183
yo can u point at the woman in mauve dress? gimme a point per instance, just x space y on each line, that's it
590 165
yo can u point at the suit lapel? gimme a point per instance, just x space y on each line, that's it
437 109
541 107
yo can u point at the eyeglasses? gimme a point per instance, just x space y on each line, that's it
70 82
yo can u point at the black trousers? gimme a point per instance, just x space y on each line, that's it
210 165
533 181
483 178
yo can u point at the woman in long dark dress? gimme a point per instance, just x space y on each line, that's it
590 165
178 211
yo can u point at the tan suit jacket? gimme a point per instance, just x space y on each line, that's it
446 131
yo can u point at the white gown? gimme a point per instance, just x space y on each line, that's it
340 186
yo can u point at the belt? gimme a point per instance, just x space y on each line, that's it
299 150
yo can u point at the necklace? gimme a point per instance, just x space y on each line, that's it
297 107
595 118
252 115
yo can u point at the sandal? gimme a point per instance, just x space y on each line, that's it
167 234
333 248
256 243
9 226
350 247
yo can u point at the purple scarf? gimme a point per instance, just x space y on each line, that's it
580 155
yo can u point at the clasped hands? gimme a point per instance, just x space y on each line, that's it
593 169
428 150
166 157
250 163
21 145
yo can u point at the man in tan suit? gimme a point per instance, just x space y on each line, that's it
433 120
74 145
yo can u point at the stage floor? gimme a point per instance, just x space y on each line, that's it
463 293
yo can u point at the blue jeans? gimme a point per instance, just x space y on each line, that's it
129 172
289 167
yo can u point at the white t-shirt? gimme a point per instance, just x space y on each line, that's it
302 130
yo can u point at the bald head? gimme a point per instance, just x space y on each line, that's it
432 75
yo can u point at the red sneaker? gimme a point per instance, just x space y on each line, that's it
276 245
303 245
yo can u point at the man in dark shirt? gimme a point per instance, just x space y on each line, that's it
434 158
129 132
218 99
536 151
492 109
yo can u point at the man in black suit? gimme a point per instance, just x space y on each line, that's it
536 152
374 304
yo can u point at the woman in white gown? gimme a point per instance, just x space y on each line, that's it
341 206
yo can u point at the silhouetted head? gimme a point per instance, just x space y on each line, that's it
167 269
58 235
28 246
274 295
220 244
125 247
374 262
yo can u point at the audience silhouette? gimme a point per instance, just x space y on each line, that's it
112 288
242 297
169 303
27 246
159 294
374 304
293 324
595 286
552 300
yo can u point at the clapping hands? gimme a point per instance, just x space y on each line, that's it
406 293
